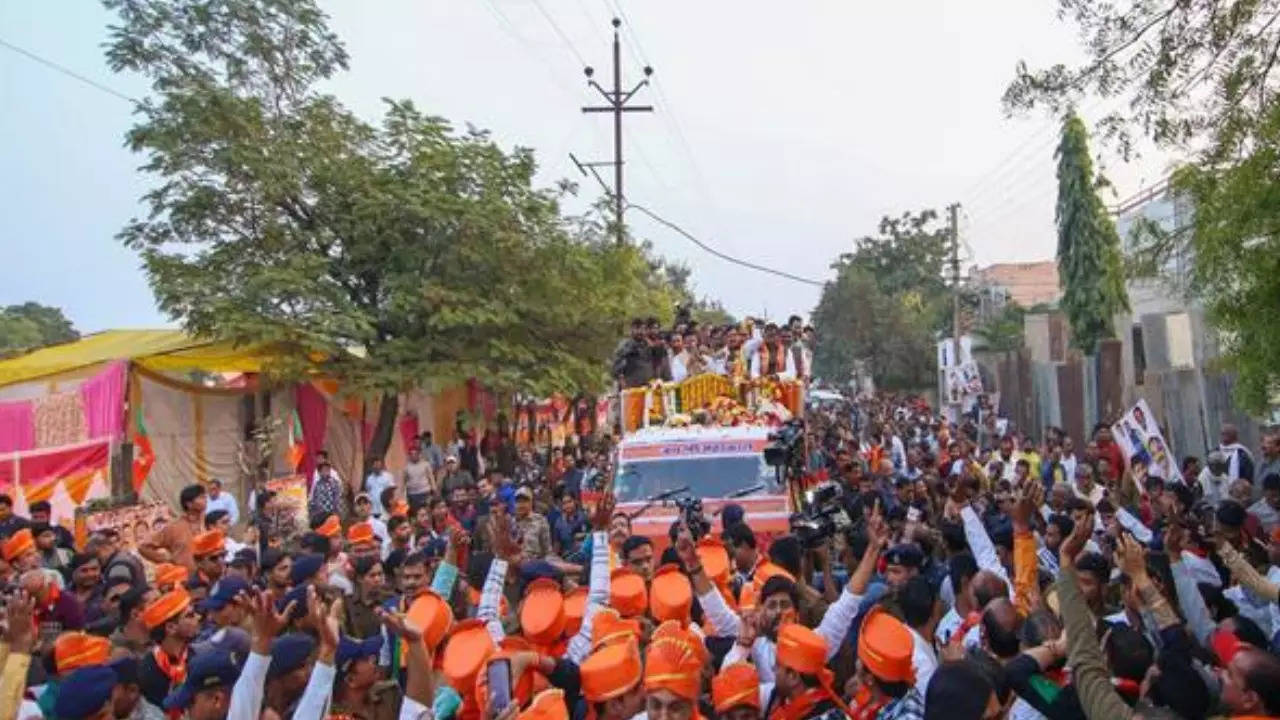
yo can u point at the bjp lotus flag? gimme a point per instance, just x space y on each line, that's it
144 457
297 447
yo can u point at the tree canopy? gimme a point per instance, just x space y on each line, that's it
404 252
886 304
1200 77
1089 262
32 325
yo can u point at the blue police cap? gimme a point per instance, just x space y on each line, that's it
289 652
92 689
204 672
223 592
906 555
351 650
305 567
298 596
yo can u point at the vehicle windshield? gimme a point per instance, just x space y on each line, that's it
706 477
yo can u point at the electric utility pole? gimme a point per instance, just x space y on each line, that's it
953 230
617 104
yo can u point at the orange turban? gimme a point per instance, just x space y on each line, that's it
210 542
548 705
542 614
738 684
670 595
165 607
575 607
433 616
610 671
627 594
672 664
715 560
884 647
170 574
331 527
609 628
466 652
19 544
359 533
76 649
674 629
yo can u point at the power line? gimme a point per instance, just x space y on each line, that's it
66 71
717 253
563 37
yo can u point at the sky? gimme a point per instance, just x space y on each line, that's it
777 137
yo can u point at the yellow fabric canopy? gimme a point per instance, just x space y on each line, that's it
158 350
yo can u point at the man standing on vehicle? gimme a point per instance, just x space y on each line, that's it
632 363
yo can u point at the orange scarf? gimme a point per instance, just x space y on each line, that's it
800 708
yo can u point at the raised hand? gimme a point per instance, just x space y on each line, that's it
399 624
685 548
1073 544
603 514
20 611
267 623
1133 558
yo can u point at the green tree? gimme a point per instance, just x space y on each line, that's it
886 304
1198 77
32 325
1089 263
1004 330
401 253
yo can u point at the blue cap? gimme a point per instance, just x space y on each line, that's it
289 652
905 554
244 557
305 567
731 513
435 547
126 669
298 596
232 640
92 689
223 592
204 672
351 650
535 569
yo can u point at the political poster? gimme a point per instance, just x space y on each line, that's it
133 523
1139 436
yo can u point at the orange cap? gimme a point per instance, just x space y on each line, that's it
736 685
671 663
804 650
715 559
609 628
209 542
331 527
163 608
170 574
76 649
670 595
675 629
542 613
430 613
763 572
548 705
19 544
884 647
575 606
466 652
626 592
610 671
399 508
473 596
359 533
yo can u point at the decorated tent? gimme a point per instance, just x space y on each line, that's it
68 411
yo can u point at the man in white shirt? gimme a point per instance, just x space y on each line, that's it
675 356
219 500
379 479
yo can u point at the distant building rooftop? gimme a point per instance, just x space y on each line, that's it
1027 284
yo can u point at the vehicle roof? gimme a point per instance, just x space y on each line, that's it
652 435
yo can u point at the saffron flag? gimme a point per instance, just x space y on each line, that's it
144 456
297 446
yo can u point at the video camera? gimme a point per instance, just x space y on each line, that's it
823 515
690 508
786 446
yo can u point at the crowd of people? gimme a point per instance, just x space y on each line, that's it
967 574
747 350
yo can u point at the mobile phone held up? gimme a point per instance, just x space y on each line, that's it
499 677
